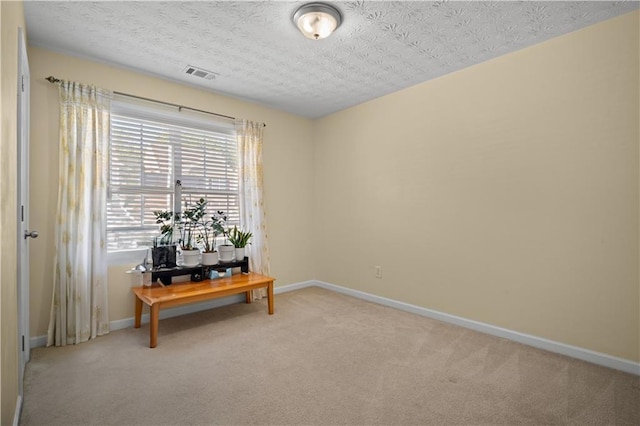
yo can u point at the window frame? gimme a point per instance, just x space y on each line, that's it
188 130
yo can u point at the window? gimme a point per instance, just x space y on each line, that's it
152 148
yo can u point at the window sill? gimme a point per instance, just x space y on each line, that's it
127 256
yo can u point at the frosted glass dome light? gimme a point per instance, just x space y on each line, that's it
317 20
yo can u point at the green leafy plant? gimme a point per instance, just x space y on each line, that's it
190 224
196 228
239 238
165 220
211 228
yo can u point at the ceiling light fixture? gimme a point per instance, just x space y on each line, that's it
317 20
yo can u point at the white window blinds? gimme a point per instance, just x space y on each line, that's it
153 148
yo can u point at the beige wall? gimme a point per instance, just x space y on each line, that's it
287 158
11 18
505 193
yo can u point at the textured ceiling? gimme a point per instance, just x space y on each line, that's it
259 55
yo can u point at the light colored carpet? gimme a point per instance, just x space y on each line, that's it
322 359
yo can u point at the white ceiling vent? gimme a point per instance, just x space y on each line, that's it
199 72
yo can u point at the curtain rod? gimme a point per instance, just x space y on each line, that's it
52 79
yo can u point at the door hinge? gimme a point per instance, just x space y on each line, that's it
23 343
21 213
22 82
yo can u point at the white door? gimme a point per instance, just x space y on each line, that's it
24 234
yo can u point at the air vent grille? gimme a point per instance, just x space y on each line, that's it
199 72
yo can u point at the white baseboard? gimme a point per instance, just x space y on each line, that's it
292 287
16 415
537 342
181 310
37 341
40 341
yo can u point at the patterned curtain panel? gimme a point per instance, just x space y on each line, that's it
79 306
252 214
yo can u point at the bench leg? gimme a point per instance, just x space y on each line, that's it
247 296
153 326
270 297
138 316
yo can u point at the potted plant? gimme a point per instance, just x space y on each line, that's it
211 229
163 252
190 227
195 231
226 251
239 239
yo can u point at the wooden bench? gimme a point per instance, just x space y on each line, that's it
157 297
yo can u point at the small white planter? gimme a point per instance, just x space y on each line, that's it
210 258
239 253
191 257
226 253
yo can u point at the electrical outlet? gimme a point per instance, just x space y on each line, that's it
378 271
